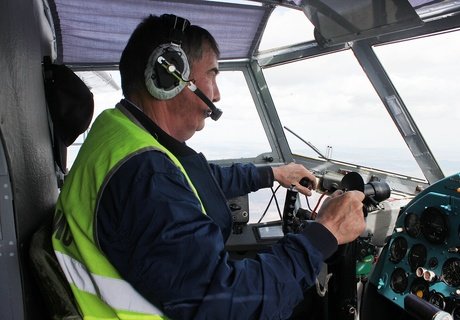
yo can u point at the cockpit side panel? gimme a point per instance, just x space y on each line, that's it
29 164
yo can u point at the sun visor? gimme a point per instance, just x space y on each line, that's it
103 27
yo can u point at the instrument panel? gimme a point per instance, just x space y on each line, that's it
423 254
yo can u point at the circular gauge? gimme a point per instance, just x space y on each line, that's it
417 256
398 280
420 288
456 313
398 249
434 225
412 225
437 300
450 273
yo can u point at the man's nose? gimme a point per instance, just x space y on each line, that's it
216 93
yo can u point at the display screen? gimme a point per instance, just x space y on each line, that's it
269 232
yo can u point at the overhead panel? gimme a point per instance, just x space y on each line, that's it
341 21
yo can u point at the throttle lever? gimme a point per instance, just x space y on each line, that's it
307 183
374 191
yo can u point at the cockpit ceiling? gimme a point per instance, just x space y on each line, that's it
94 32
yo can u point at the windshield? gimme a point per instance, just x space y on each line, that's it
329 102
239 132
426 73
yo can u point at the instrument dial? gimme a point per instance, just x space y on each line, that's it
451 272
456 313
420 288
417 256
399 280
437 299
434 225
412 225
398 249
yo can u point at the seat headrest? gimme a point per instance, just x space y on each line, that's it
70 104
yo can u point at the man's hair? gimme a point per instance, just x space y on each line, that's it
148 35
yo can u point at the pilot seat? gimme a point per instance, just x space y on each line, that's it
70 106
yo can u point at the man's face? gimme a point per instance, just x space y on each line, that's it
191 110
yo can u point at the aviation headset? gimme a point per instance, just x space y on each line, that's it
168 70
160 81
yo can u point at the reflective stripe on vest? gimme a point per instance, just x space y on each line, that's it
108 289
98 288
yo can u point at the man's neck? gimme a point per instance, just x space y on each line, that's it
177 147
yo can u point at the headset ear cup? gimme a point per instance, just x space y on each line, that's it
160 84
164 79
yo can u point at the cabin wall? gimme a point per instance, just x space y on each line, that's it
26 141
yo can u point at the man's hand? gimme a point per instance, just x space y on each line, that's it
290 175
342 214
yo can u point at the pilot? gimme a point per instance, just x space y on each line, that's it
142 219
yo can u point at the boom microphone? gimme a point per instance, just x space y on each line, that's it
215 112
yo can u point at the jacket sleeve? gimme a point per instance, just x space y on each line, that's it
240 179
150 226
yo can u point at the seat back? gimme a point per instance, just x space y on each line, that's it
53 285
70 105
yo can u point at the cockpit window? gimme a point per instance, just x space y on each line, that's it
239 132
105 86
278 32
426 73
328 102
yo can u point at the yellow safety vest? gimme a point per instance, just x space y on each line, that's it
99 290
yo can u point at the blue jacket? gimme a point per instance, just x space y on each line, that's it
151 227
